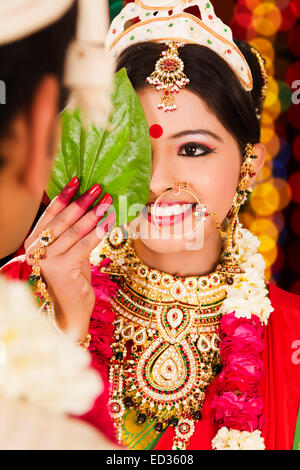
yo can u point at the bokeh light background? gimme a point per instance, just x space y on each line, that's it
273 212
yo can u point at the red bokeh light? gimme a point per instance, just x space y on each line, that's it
296 3
244 19
293 40
293 73
282 4
289 16
244 34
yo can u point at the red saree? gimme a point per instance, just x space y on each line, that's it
281 383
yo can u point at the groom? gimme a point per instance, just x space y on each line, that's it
32 53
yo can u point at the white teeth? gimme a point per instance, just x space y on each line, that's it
177 209
169 211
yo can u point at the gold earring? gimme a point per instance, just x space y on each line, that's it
219 228
229 263
248 170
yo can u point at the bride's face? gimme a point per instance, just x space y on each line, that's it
193 148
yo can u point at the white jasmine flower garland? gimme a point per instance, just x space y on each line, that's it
231 439
248 294
246 297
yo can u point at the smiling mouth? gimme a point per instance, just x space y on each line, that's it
169 213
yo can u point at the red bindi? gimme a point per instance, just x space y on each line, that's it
156 131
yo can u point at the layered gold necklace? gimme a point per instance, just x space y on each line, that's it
165 351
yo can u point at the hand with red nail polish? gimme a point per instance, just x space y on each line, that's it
88 198
66 267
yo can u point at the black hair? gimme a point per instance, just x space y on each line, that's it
212 79
24 63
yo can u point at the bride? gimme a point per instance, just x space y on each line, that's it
196 350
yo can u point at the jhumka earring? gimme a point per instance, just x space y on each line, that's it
229 263
200 212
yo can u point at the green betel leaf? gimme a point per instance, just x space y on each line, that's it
119 158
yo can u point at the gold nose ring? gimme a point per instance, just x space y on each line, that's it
182 187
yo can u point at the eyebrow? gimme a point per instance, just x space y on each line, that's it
197 132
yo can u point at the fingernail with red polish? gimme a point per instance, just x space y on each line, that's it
102 207
95 189
69 191
87 199
74 182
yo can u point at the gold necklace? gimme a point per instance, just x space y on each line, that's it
165 352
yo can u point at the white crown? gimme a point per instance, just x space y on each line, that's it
167 20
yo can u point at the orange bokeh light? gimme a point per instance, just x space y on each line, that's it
266 19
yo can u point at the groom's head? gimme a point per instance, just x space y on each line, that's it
31 94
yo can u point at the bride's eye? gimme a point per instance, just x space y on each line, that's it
193 149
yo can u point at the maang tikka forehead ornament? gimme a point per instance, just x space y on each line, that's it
167 21
169 76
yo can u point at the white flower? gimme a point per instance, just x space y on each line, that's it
248 281
255 262
231 439
264 310
37 364
248 243
248 294
246 297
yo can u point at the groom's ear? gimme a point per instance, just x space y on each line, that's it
41 124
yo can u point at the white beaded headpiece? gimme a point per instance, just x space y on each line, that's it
166 20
